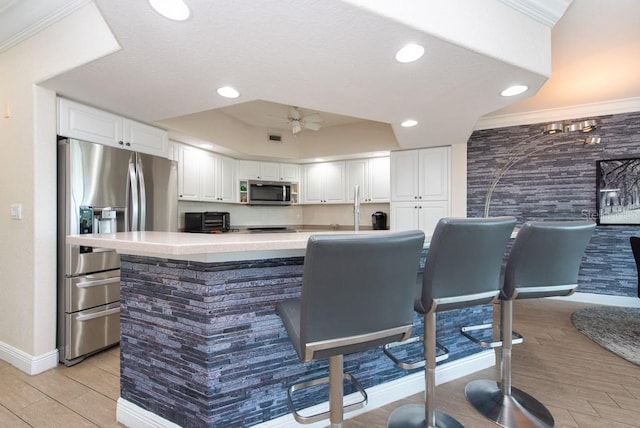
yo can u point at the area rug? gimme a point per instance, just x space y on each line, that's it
612 327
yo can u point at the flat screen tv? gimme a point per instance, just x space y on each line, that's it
618 191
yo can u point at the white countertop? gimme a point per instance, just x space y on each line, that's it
206 247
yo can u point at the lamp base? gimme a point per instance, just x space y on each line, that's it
516 410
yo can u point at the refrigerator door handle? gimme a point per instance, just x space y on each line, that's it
132 185
143 194
97 314
97 282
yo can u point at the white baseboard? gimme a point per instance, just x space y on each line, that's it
602 299
133 416
31 365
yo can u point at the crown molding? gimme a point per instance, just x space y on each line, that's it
547 12
626 105
20 10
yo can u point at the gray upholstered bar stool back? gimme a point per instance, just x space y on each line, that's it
357 293
544 261
462 269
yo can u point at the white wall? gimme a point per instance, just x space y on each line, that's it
28 177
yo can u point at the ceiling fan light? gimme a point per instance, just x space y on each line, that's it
228 92
176 10
409 53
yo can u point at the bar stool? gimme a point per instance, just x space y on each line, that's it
544 261
357 294
462 269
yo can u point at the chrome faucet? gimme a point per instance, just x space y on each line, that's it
356 208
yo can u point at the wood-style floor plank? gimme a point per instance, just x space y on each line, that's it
582 384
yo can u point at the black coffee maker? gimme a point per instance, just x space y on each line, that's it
379 220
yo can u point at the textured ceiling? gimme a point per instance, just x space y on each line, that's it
336 57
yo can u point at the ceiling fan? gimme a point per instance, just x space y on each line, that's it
298 121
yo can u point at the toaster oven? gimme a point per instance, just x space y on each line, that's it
207 222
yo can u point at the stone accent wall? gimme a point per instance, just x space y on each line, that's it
559 183
201 344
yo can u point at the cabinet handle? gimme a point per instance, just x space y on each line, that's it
127 144
419 197
415 197
121 143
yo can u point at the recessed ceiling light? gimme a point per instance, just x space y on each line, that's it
175 10
409 123
318 160
514 90
228 92
409 53
206 146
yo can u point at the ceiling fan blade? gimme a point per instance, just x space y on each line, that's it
314 117
314 126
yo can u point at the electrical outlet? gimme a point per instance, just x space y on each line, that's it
16 211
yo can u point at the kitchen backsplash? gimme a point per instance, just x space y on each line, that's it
295 215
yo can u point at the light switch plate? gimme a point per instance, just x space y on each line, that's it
16 211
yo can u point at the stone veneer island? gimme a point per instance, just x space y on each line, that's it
201 345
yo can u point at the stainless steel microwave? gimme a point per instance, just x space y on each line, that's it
268 192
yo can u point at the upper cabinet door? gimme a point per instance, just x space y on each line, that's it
379 179
313 184
227 183
434 174
89 124
290 172
404 173
357 173
334 175
189 180
248 170
146 139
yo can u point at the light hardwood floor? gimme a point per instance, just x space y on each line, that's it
582 384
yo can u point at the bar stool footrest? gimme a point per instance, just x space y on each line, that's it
324 415
415 364
465 331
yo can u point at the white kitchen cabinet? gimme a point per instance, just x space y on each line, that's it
268 171
143 138
189 174
324 183
86 123
420 174
373 177
290 172
204 176
422 215
226 179
419 188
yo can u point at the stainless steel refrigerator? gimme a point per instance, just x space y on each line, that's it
103 189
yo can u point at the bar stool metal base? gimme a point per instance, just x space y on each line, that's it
516 410
412 416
